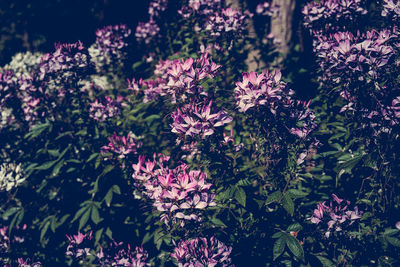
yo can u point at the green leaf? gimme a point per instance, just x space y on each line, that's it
98 235
92 157
294 227
217 222
116 189
37 130
240 196
295 193
274 197
46 165
393 241
279 246
295 247
9 212
109 232
325 262
79 213
84 219
95 215
288 204
44 230
147 237
108 197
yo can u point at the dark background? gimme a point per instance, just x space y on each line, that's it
36 25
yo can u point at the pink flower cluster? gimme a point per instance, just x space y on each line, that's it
111 39
227 21
337 216
156 7
202 8
197 120
79 247
178 79
331 15
391 8
5 246
267 9
345 57
179 194
121 145
260 89
106 108
202 252
146 32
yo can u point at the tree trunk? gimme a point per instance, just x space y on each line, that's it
281 25
253 60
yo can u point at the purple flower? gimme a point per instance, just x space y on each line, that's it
179 194
260 89
391 8
336 216
156 7
329 15
121 145
146 32
105 108
197 120
267 9
201 251
227 21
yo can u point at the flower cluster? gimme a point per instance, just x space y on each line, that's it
227 21
391 8
202 252
121 145
109 45
260 89
202 8
179 194
156 7
178 78
23 64
331 15
267 9
197 120
336 216
116 255
346 57
106 108
6 242
146 32
79 248
11 176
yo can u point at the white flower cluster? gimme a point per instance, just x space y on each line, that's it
23 64
6 117
11 176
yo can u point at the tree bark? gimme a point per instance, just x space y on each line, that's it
281 25
253 60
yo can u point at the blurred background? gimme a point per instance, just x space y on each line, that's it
36 25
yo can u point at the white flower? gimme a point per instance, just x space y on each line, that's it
11 176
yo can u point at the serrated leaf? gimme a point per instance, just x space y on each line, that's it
295 247
295 193
288 204
294 227
240 196
275 196
279 247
